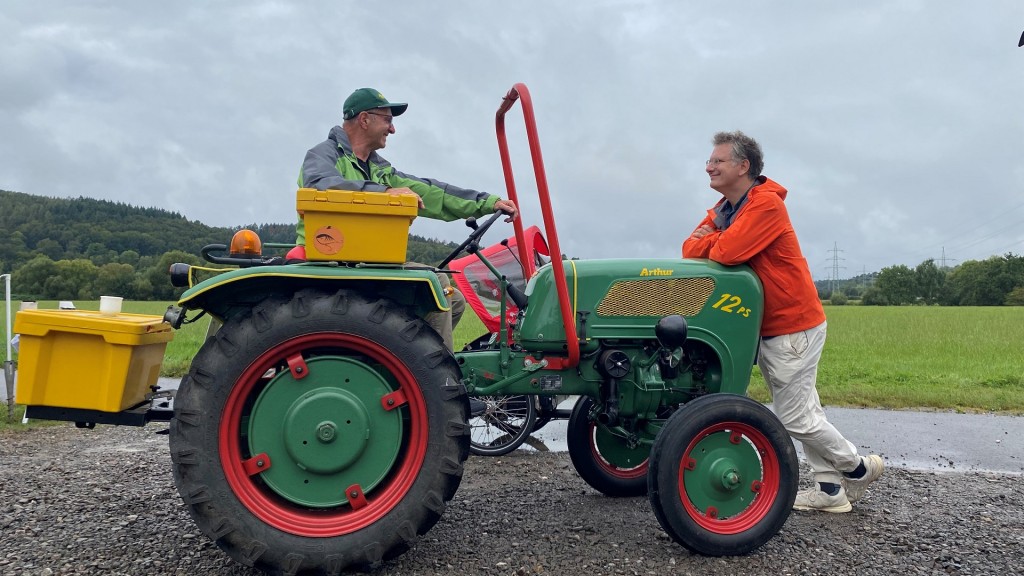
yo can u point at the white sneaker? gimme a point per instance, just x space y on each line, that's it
815 499
855 487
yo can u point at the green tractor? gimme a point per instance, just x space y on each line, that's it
323 425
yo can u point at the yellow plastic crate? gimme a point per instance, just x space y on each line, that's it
83 359
348 226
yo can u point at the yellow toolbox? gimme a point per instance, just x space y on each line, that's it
86 360
349 226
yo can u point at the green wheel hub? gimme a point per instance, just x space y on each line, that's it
325 432
614 450
723 474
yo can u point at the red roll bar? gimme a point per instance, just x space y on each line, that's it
519 92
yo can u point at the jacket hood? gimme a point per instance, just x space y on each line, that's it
340 139
768 186
721 213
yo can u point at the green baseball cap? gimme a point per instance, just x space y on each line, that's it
367 99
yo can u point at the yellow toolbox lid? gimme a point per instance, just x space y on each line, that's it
39 322
357 197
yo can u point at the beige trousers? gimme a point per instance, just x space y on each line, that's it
789 364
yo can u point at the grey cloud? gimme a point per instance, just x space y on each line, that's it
894 125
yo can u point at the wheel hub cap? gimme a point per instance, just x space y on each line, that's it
326 431
321 447
723 477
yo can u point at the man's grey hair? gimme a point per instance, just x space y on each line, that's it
743 148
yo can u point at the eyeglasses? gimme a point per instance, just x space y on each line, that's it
387 117
716 161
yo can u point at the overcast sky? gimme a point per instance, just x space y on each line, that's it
897 126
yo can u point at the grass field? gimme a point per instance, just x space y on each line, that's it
961 358
964 359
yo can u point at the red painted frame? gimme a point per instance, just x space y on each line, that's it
519 92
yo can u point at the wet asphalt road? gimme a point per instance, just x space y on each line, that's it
915 440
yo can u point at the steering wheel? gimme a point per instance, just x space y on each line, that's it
472 243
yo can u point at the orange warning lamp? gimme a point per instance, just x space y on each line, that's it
246 244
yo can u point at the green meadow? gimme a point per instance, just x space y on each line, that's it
942 358
968 359
949 358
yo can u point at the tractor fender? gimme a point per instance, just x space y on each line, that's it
240 289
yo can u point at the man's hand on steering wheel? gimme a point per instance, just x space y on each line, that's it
508 207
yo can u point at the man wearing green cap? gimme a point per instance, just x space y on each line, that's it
348 160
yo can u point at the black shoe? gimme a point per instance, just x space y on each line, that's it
476 407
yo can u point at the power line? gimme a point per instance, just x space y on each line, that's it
835 266
985 222
944 258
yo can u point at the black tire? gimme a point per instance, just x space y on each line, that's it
507 423
723 475
256 419
622 475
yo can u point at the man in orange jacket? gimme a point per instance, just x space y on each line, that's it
750 225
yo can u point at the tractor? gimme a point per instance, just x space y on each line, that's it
323 425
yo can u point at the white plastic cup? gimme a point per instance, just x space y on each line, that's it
110 305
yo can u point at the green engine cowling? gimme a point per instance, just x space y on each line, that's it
619 302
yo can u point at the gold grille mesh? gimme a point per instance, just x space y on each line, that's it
656 297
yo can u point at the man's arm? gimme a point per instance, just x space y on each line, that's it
700 241
757 225
444 201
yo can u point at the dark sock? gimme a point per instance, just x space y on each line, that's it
829 488
858 472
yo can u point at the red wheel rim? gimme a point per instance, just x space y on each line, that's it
285 516
639 471
768 483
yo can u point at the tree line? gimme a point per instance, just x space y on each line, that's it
995 281
82 248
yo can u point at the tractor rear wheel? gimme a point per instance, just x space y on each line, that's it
319 434
603 459
723 475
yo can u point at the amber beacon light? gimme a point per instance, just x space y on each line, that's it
246 244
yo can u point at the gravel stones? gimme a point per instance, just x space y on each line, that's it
103 502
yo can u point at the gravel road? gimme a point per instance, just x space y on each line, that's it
103 502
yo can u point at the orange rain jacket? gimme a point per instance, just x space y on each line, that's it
762 236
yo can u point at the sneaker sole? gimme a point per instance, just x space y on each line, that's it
831 509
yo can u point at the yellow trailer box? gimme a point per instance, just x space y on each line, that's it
348 226
86 360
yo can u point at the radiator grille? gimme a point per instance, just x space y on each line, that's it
656 297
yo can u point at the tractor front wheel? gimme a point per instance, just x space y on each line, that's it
723 475
319 433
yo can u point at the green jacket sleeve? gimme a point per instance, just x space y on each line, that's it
443 201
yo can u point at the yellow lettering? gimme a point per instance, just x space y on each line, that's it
656 272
